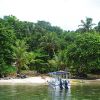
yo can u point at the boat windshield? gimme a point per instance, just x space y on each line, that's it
58 74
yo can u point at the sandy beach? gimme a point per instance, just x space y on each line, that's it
29 80
43 80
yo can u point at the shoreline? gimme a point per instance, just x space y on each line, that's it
38 80
30 80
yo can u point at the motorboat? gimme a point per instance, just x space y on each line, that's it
59 80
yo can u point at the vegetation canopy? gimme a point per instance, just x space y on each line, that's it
43 48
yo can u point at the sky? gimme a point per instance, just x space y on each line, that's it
63 13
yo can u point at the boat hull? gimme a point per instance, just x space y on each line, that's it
57 86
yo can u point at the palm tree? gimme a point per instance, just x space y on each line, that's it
20 55
59 60
49 43
87 24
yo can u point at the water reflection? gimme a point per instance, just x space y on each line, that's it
30 92
59 94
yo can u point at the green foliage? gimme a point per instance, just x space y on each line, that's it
86 25
49 43
97 28
6 69
59 62
7 38
40 63
84 53
43 47
20 55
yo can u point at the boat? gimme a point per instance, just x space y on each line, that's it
59 80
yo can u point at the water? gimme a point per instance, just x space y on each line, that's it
30 92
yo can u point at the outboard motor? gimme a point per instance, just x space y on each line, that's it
61 84
66 84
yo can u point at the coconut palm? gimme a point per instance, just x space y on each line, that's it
59 60
49 43
87 24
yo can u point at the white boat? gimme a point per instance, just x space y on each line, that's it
59 80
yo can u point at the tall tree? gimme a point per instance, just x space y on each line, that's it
97 28
86 25
50 43
7 38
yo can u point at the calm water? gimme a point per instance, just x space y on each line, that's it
29 92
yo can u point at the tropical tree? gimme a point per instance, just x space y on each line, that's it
83 54
7 38
50 43
21 56
86 25
97 28
59 62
